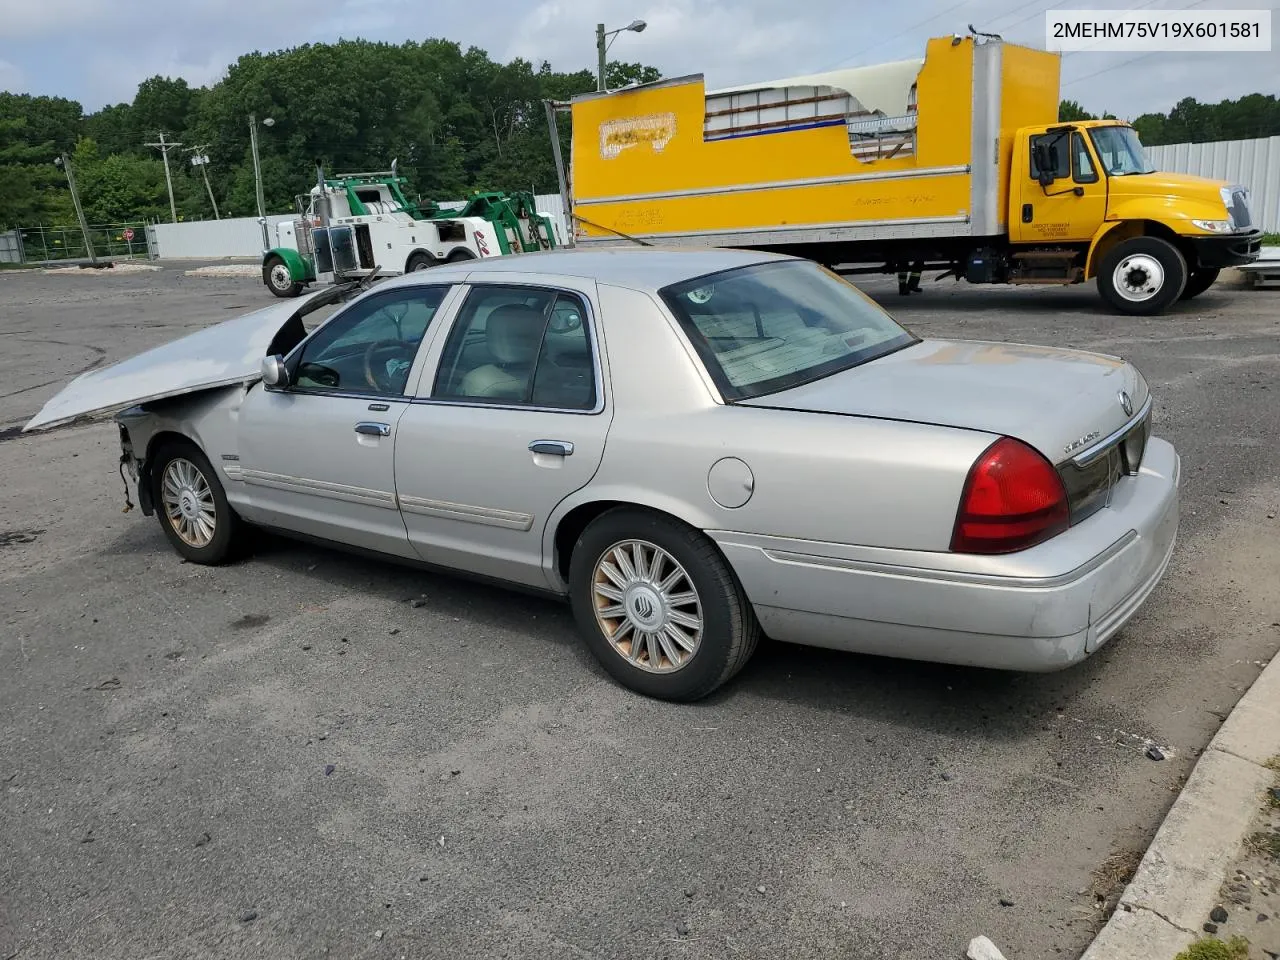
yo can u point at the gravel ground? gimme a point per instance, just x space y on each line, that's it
286 758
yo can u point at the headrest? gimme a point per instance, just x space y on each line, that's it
514 333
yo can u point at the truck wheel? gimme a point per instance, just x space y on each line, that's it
418 261
1199 281
275 272
462 253
1142 276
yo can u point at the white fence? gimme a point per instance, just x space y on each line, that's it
212 239
242 236
1253 163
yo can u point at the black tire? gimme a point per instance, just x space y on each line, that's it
419 261
274 270
730 631
1126 260
1199 281
462 253
228 529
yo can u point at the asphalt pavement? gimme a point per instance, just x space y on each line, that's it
289 757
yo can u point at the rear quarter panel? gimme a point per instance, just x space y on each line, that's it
822 477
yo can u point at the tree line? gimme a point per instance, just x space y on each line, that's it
1191 121
454 119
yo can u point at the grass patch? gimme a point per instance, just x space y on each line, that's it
1271 239
1266 843
1237 948
17 266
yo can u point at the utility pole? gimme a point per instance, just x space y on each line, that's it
164 149
65 163
201 159
601 53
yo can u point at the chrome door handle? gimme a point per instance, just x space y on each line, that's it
374 429
558 448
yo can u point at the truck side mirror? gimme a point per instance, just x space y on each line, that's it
1046 159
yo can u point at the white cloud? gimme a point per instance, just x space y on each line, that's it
12 78
21 19
96 51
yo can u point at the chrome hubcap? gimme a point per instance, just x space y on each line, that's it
646 606
280 276
188 502
1139 277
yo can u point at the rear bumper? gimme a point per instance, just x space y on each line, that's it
1044 609
1227 250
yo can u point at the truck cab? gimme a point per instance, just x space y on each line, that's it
1084 203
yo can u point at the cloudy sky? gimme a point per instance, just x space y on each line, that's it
96 51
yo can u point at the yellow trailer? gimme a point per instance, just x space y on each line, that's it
955 161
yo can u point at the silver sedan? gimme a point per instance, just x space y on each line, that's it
695 448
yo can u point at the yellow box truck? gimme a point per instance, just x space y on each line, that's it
955 162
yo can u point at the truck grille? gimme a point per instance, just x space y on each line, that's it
1239 209
1091 483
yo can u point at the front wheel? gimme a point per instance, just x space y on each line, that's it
278 278
1199 281
658 606
192 506
1142 276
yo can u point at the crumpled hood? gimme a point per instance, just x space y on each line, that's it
220 355
1048 397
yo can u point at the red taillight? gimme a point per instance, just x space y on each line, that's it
1012 499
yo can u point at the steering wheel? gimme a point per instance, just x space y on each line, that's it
564 323
390 347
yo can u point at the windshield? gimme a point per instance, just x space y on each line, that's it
1120 151
768 327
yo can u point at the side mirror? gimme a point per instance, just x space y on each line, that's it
273 372
1046 159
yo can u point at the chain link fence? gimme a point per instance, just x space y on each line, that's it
112 241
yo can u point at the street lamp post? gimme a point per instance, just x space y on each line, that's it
257 173
602 47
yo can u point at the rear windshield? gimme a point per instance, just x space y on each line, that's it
767 327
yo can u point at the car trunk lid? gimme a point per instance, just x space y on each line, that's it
1059 401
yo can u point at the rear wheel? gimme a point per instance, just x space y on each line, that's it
658 606
278 278
1142 276
1199 281
462 253
418 261
192 506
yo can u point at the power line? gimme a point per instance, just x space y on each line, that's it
1125 63
854 56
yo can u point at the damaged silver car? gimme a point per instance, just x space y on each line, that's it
695 448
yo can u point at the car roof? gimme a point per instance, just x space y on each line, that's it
640 268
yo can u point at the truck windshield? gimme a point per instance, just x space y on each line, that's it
1120 151
771 326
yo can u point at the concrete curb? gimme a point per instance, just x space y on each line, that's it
1176 885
